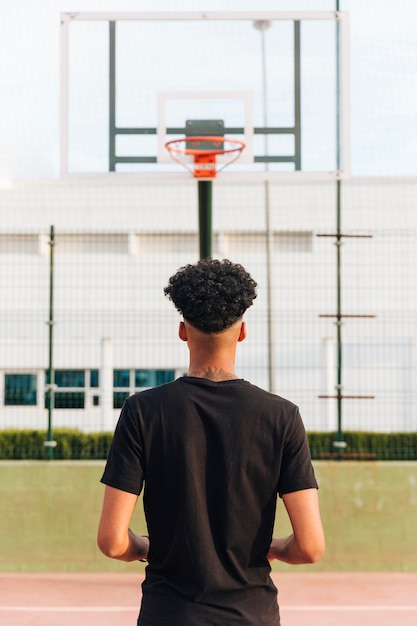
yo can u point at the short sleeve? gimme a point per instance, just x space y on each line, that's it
125 465
296 468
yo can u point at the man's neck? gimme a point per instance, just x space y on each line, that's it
212 355
211 372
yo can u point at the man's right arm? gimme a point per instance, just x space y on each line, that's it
306 544
114 537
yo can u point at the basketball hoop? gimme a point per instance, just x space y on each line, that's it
204 149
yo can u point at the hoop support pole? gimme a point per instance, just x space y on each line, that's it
205 210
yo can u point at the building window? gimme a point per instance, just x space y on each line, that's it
127 382
69 399
121 378
69 392
94 378
20 389
152 378
118 398
69 378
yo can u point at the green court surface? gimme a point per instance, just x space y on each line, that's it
49 513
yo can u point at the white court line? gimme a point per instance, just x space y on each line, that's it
118 609
351 608
69 609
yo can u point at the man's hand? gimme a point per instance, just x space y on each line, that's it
306 544
140 545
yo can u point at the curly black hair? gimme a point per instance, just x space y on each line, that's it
211 295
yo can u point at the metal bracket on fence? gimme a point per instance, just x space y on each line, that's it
339 316
342 235
50 444
342 397
51 387
340 444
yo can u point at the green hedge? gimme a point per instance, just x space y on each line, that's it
71 444
75 445
365 445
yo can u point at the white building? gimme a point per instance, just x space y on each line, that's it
117 240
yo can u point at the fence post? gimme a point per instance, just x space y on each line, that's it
50 444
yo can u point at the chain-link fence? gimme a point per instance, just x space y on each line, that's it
333 327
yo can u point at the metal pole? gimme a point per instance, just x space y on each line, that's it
270 294
339 438
339 444
297 94
50 443
112 96
205 193
262 26
64 99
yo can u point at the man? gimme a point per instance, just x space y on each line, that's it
212 451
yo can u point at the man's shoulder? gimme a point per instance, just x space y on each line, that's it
241 389
271 398
154 392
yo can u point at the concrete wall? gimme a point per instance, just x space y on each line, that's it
49 514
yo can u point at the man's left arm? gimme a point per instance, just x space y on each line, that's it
306 544
114 537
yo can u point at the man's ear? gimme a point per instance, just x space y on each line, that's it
243 332
182 332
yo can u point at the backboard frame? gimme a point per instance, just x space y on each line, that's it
342 169
162 130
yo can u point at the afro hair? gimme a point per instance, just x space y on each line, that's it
211 295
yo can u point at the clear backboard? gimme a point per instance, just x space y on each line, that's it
130 82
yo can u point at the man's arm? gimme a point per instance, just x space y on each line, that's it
306 544
114 537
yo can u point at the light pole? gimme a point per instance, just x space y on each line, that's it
262 26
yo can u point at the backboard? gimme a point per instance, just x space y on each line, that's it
277 81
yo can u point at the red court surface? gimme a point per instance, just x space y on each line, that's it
306 599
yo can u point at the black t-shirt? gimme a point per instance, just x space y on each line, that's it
212 457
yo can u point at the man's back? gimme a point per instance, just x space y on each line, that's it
213 456
213 451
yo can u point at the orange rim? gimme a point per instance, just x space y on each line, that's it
172 146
